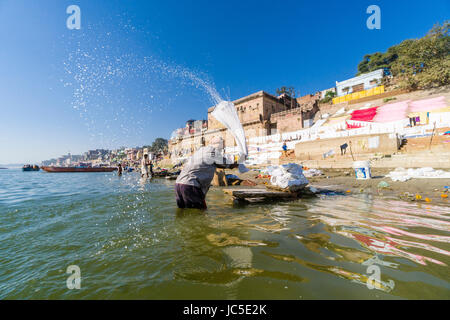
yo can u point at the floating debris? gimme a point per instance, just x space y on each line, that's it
383 184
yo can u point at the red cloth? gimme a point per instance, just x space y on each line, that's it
364 114
353 126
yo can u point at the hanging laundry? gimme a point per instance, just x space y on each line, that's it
427 104
364 114
392 112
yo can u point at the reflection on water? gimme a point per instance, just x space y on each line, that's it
131 241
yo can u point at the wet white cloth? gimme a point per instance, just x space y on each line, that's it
225 112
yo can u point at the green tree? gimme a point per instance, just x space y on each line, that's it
415 63
159 145
425 62
290 91
378 60
328 97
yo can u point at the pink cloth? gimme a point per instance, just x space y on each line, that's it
428 104
392 112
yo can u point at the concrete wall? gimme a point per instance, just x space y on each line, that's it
365 144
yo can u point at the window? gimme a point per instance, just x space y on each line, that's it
358 87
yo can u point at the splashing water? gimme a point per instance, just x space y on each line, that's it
116 91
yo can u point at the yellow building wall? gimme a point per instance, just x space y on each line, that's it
359 95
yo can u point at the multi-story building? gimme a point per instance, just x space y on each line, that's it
260 114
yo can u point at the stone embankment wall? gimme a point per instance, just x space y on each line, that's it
364 144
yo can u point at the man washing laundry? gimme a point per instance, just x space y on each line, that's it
195 178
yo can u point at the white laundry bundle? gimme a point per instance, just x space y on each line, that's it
289 176
225 112
312 173
268 170
402 174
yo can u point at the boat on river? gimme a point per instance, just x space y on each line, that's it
29 167
79 169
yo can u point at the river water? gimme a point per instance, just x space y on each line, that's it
131 242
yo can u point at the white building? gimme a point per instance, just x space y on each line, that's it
363 82
324 92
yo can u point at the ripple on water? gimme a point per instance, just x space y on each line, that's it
131 242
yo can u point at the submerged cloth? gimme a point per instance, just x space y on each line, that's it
199 169
189 197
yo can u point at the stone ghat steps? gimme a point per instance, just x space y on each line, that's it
422 156
407 161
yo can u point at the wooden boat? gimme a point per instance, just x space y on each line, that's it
30 168
79 169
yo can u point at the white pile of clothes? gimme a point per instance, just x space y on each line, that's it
288 176
268 170
312 173
402 174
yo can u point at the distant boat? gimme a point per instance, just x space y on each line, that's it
79 169
28 167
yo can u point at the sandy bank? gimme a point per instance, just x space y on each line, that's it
344 180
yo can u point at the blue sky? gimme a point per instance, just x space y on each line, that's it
121 79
